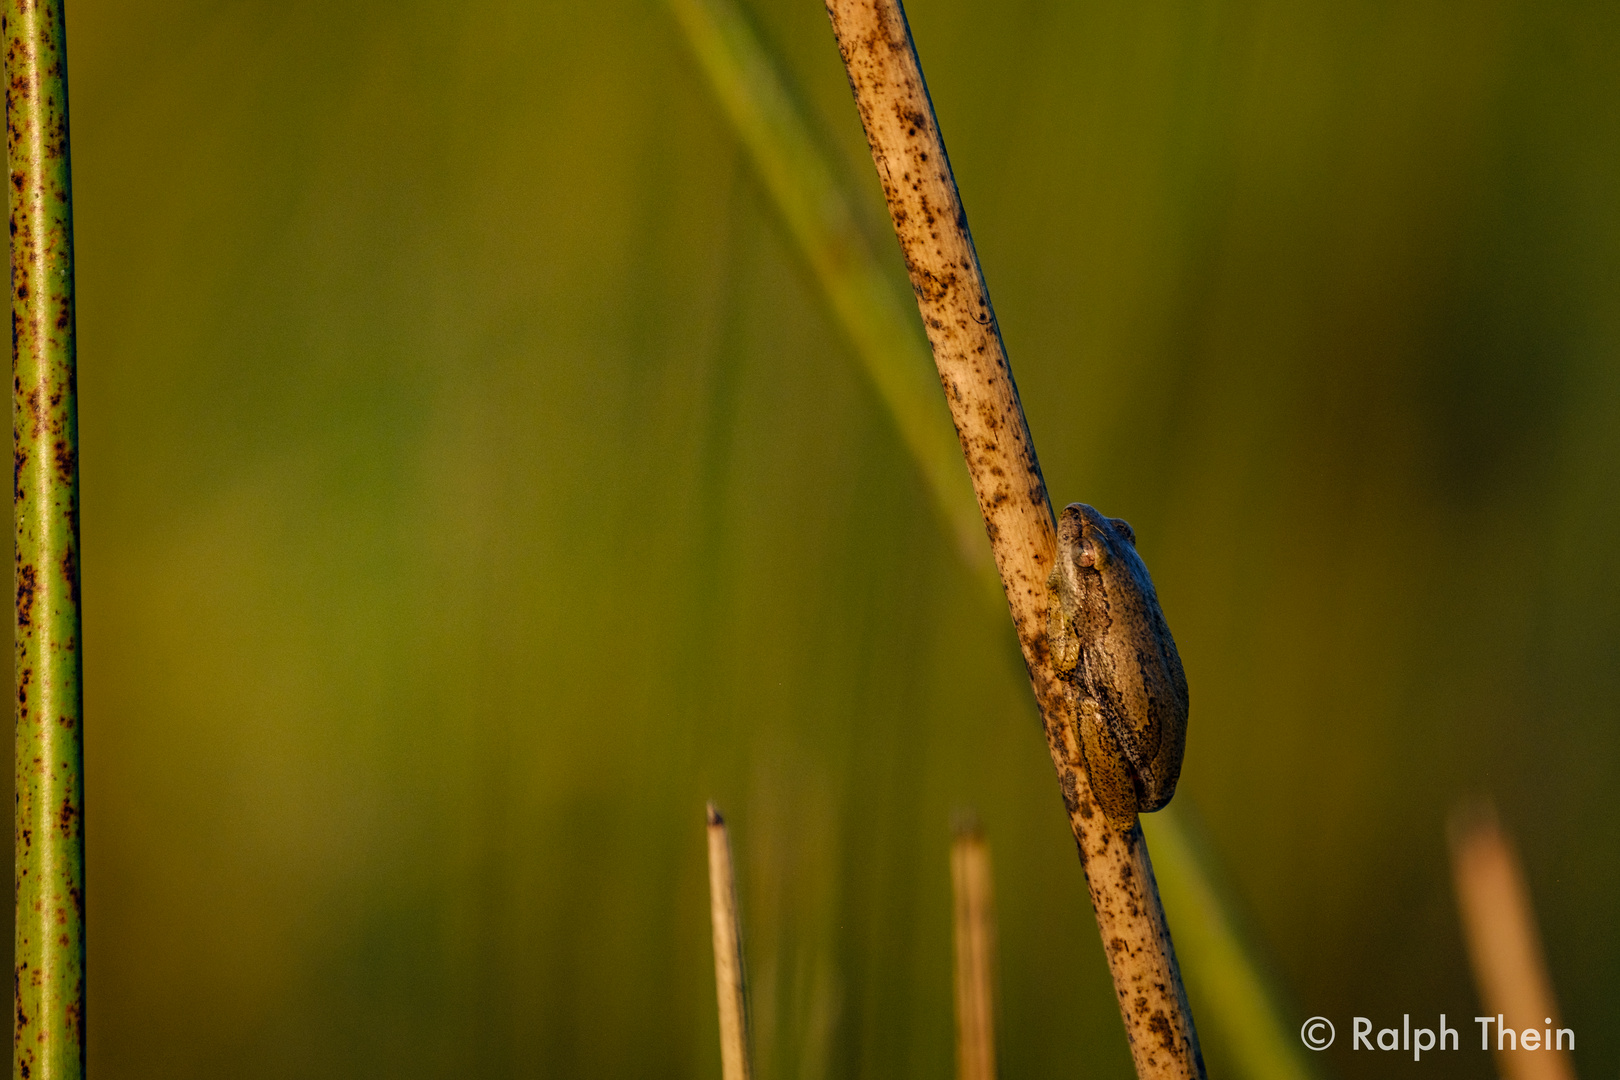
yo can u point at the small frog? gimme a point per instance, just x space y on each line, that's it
1112 649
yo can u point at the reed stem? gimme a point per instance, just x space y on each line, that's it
730 982
931 225
1499 925
48 1034
975 927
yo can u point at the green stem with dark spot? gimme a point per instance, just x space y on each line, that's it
48 1042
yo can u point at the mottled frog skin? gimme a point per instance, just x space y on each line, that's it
1111 647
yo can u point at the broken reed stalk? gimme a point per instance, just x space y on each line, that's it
1499 925
48 1036
730 983
975 933
931 225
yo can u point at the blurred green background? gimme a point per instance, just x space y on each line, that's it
474 482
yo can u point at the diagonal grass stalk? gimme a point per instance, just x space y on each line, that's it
1234 993
817 210
48 1037
1223 974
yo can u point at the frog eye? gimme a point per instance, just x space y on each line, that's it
1090 553
1124 529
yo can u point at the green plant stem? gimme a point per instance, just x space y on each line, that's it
818 212
49 1036
1232 991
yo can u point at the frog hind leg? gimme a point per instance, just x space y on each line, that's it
1113 784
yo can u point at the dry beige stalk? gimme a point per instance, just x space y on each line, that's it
1500 927
975 927
931 225
729 976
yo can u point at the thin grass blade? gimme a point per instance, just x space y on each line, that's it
1223 975
880 323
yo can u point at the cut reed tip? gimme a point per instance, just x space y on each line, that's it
965 823
1503 940
1470 823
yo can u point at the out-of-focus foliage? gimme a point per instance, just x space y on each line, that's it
473 483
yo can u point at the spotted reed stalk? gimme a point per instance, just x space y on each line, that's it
1237 992
931 225
48 1036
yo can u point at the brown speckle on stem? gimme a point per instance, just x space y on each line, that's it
49 798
